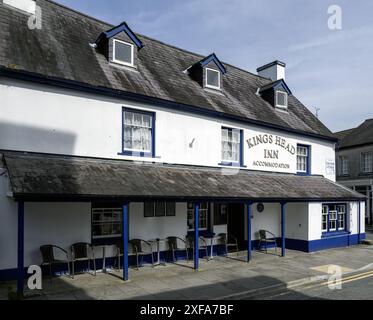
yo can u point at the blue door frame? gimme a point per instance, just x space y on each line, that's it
196 235
283 228
125 241
249 204
21 249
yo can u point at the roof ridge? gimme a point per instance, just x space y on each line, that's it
150 38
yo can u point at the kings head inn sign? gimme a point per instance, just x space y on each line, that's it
273 152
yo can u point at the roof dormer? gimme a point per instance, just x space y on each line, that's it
120 45
276 93
208 72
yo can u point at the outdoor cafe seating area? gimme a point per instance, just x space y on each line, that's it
82 254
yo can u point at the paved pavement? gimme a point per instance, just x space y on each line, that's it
221 278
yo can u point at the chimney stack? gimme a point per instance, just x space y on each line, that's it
274 70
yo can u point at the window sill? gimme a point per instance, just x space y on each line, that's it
231 164
136 154
303 174
334 233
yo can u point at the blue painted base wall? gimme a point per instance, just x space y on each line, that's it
294 244
336 241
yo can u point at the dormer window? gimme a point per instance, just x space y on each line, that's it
281 99
212 79
118 45
276 93
123 53
209 73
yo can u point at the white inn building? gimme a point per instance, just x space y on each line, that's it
107 136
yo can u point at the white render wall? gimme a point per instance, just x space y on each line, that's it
52 120
65 223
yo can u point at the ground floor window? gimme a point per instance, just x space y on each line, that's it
203 216
159 209
333 217
106 222
220 213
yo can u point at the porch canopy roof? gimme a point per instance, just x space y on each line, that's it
44 177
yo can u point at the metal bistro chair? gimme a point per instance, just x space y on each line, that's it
190 244
119 252
48 257
82 251
264 238
139 245
229 241
173 245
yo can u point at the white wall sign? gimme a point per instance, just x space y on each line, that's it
330 166
271 153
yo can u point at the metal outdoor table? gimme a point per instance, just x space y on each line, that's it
103 256
157 241
211 237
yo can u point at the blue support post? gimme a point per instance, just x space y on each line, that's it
20 244
196 235
359 222
283 229
249 231
125 241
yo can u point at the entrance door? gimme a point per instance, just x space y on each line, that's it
236 222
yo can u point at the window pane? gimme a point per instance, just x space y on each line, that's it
170 209
106 222
230 145
212 77
123 52
281 98
149 209
160 209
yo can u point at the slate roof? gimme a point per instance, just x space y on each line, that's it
361 135
61 50
46 177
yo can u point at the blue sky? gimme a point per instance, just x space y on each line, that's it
328 69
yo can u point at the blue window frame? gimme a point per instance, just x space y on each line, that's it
303 159
231 147
333 218
138 133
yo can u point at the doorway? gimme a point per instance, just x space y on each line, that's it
236 222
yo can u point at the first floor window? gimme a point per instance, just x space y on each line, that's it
159 209
302 159
138 131
203 216
106 222
343 166
230 145
333 217
366 162
220 213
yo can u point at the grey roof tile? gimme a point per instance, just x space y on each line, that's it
61 50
